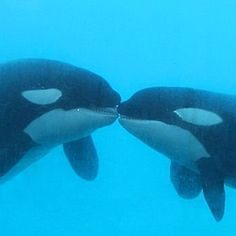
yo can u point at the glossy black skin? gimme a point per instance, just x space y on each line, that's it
159 103
80 89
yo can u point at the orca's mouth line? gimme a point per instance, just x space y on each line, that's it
108 111
129 118
124 117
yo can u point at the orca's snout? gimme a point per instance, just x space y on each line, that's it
116 98
120 108
125 109
108 97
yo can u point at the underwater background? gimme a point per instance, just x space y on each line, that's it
133 44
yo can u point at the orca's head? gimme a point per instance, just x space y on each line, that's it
171 106
86 90
72 105
165 118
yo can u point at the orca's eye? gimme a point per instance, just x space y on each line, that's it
198 116
42 96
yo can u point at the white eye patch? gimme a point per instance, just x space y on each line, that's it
42 96
198 116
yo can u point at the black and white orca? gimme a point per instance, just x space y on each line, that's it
196 129
45 103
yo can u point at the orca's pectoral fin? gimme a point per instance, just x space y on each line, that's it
213 186
83 157
187 183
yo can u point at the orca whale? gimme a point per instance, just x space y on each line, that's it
45 103
196 130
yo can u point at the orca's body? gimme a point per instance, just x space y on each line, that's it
196 129
45 103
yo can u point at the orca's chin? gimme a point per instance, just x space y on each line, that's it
108 114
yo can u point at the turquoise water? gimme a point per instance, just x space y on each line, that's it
133 44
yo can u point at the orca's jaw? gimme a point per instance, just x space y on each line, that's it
59 126
174 142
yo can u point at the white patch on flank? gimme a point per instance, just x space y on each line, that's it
198 116
42 96
59 126
176 143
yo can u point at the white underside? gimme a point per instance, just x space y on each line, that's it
59 126
176 143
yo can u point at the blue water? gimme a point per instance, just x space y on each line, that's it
133 44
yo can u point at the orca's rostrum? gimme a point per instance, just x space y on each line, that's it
196 129
45 103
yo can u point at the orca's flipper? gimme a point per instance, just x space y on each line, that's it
187 183
83 157
213 186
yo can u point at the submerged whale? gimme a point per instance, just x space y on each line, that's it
45 103
196 129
